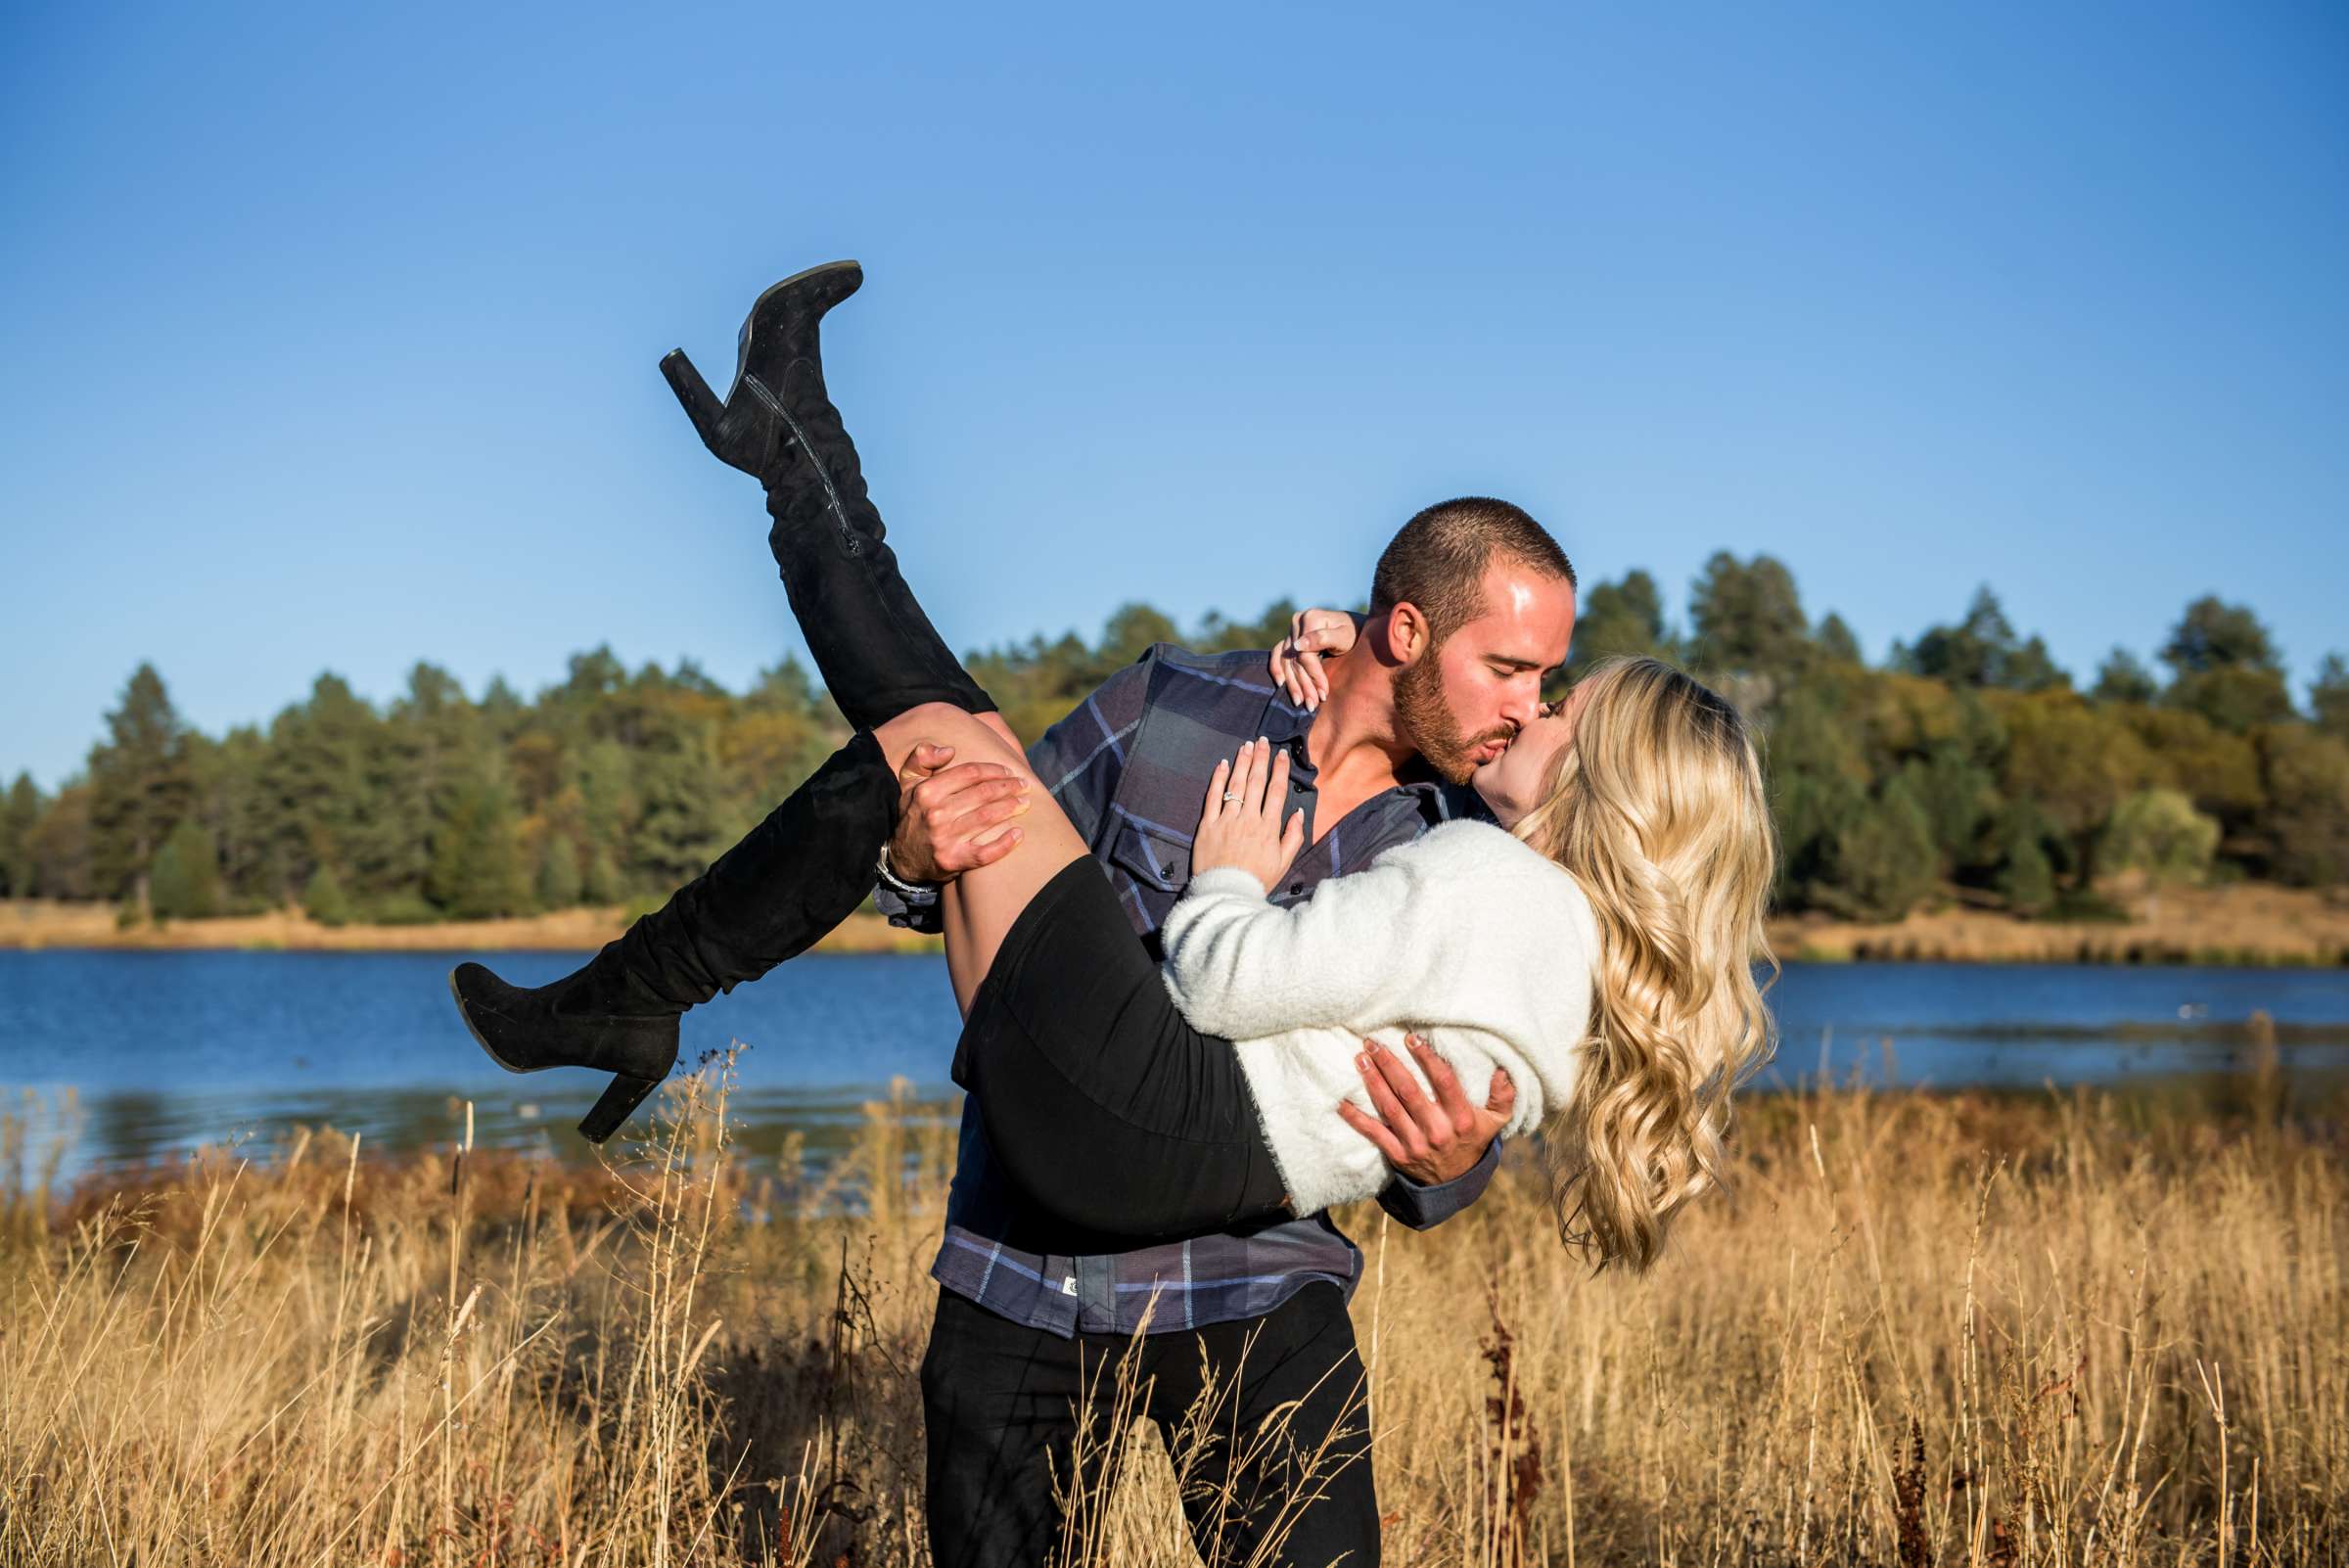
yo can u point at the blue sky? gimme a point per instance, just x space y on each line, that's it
332 336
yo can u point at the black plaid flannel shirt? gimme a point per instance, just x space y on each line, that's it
1130 766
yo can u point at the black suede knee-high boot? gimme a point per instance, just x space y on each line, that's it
812 863
791 878
874 647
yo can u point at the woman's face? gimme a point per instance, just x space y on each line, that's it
1513 782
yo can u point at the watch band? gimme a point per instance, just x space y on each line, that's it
911 892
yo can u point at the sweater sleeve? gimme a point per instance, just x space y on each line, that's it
1240 966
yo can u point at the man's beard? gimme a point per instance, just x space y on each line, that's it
1428 725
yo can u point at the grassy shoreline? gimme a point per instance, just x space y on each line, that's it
2246 924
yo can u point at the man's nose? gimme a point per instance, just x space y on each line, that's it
1522 706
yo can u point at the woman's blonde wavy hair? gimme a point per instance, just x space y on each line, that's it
1658 811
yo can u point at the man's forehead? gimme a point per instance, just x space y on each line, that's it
1524 610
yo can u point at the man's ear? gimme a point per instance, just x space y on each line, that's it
1408 634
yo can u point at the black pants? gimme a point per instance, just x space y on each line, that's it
1103 1105
1002 1405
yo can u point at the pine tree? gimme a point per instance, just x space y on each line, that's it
1818 782
1884 862
1836 641
2329 696
186 878
559 880
2124 678
320 784
232 805
1747 618
1958 797
433 740
599 880
2224 667
19 811
682 828
476 869
1983 650
139 786
59 847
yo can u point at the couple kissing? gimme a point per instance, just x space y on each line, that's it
1241 938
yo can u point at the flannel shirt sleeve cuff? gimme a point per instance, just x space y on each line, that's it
918 911
1423 1208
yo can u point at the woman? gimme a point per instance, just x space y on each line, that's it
1598 943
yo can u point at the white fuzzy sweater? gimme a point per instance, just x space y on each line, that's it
1483 947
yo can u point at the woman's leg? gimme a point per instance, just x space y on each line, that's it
1099 1100
981 905
811 864
791 878
872 643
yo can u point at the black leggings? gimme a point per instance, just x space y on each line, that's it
1100 1102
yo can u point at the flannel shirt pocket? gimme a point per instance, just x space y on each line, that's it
1151 857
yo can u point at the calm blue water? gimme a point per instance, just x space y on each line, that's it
155 1053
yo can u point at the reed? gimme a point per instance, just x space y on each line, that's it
1929 1330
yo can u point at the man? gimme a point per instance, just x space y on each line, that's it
1471 604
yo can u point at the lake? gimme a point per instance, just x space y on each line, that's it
130 1056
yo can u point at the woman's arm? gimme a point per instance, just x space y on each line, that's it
1359 949
1365 945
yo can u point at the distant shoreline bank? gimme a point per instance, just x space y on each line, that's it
2249 924
2246 924
39 924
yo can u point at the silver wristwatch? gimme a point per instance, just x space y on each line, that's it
911 892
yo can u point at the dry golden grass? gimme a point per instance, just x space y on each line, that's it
1931 1330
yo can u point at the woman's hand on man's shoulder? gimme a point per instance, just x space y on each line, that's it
1314 635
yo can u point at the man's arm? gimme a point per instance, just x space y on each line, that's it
1078 759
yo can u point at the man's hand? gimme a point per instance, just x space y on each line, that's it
949 819
1431 1143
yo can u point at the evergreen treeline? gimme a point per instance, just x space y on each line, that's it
1968 765
610 787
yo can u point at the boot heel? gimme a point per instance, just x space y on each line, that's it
619 1098
700 402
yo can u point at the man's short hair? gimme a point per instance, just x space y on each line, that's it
1438 561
